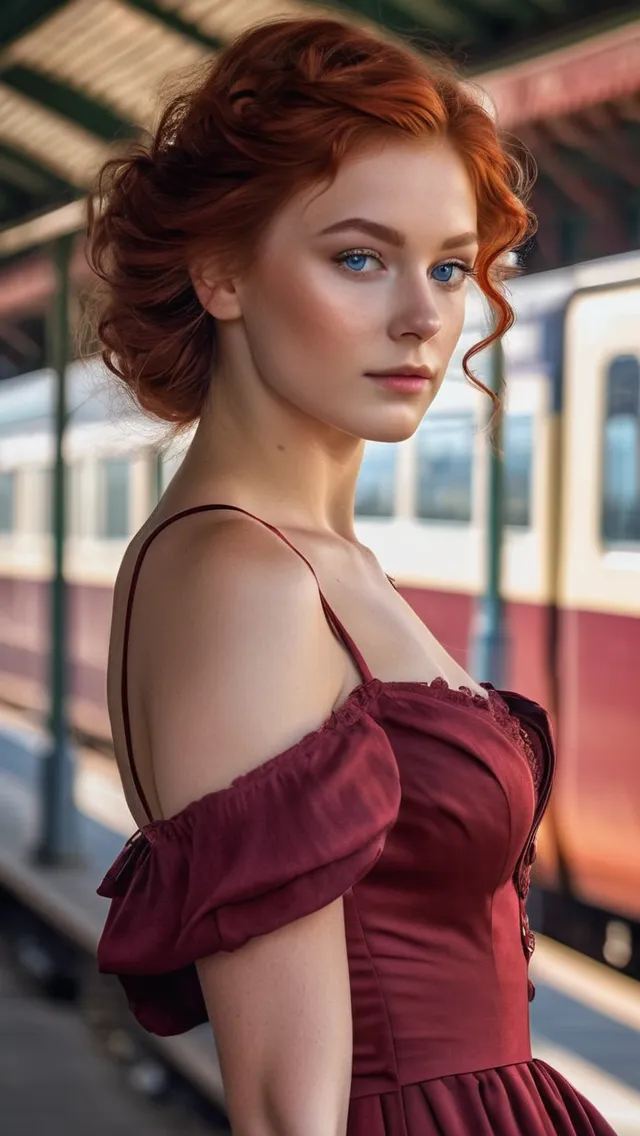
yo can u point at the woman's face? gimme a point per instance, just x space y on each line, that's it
366 276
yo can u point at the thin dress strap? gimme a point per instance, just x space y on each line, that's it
335 624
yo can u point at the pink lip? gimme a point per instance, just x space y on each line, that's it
401 382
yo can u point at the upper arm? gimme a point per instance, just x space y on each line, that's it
280 1008
241 664
240 660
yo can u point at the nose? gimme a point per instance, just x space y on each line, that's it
416 313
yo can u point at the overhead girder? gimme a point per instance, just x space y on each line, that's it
612 152
419 20
580 192
176 23
31 177
589 163
19 16
71 103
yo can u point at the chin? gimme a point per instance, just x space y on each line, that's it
397 426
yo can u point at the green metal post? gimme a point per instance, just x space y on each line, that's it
58 843
489 651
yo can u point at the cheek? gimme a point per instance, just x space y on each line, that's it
452 314
311 305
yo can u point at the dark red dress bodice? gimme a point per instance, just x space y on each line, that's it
419 805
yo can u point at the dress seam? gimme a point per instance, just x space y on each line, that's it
386 1010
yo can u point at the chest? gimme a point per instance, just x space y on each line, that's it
468 796
395 642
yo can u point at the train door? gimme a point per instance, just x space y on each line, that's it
597 796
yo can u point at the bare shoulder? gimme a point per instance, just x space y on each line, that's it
232 662
238 661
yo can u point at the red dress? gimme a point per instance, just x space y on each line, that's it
418 803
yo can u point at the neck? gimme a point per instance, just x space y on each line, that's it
276 461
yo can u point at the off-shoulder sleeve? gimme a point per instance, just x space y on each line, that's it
282 841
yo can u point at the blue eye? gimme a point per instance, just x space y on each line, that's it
450 273
355 261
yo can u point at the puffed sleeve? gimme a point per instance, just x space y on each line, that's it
282 841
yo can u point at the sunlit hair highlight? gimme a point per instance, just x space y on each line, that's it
276 112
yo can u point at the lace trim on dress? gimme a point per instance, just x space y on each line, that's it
494 705
513 726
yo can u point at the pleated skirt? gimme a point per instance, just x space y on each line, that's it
528 1099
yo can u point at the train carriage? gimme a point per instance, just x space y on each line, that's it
571 553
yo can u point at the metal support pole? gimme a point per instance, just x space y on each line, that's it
489 650
58 842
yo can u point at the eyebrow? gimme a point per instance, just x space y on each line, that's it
390 235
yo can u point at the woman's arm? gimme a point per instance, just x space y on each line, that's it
281 1015
241 665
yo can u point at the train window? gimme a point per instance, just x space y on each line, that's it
7 494
76 471
115 495
621 457
376 485
44 499
517 445
445 463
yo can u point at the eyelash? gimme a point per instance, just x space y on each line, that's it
340 261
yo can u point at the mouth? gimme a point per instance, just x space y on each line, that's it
406 379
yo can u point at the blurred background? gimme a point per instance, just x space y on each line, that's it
525 562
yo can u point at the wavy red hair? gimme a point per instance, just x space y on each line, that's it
276 111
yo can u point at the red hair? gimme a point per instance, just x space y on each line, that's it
276 111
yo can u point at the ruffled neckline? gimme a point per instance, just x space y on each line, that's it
439 689
492 704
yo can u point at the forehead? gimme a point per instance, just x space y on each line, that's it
420 187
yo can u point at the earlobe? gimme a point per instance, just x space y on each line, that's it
217 296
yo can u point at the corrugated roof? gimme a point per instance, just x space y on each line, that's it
600 70
77 75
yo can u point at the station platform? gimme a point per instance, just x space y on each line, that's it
54 1079
585 1018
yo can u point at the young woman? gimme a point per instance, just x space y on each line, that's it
336 822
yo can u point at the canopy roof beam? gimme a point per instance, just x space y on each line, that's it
67 101
418 20
176 23
613 153
591 199
68 219
11 197
19 16
525 13
29 176
489 15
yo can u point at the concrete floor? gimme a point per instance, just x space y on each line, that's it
55 1080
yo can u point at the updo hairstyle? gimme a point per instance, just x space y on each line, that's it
276 111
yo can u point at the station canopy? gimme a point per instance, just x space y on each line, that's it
78 76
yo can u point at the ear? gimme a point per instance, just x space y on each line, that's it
217 295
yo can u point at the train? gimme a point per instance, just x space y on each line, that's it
570 555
